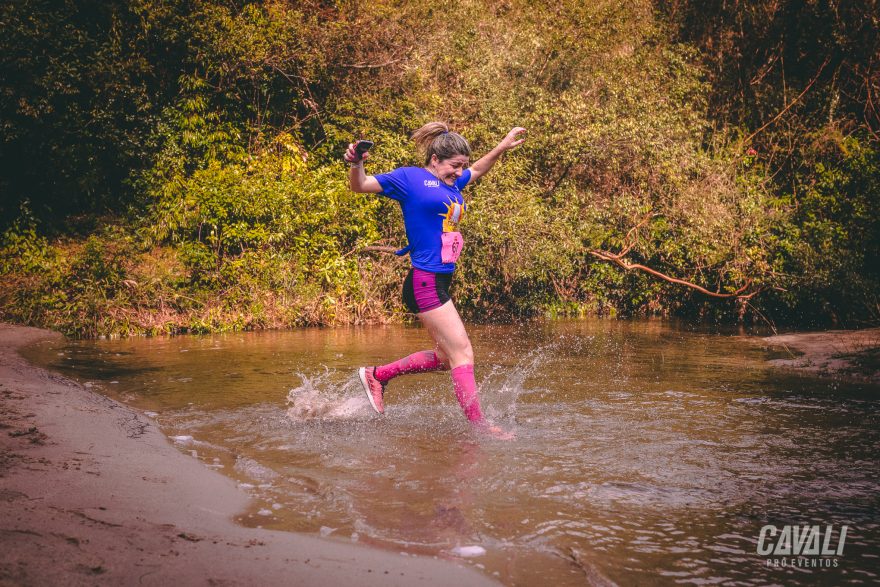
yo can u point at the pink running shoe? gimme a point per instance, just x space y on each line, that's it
374 388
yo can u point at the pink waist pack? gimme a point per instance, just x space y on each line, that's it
453 243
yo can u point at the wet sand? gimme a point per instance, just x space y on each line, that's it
92 493
844 354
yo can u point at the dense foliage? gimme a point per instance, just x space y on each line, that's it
175 165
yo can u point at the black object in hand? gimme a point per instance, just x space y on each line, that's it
362 147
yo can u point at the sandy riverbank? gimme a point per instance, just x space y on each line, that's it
848 354
92 493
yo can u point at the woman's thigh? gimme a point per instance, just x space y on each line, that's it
446 328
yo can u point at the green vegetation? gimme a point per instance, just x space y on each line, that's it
176 166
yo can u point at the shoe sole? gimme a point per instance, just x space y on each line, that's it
362 375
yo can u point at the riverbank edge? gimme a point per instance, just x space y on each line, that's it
840 354
92 493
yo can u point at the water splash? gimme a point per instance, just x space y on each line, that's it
505 393
327 396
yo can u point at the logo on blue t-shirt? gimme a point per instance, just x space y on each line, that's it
432 183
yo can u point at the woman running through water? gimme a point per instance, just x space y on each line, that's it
432 204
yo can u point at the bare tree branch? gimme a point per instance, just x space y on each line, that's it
631 240
379 249
790 104
371 65
606 256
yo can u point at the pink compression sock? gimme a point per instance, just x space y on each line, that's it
419 362
466 391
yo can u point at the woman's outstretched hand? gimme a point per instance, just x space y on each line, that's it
514 138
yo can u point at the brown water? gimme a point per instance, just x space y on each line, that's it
645 453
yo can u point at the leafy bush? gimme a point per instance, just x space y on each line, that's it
203 141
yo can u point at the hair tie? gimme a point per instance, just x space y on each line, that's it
445 132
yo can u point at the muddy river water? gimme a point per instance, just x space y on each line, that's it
645 453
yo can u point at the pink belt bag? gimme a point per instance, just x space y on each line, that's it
452 246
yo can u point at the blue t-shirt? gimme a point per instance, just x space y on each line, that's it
424 200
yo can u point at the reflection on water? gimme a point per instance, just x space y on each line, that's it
644 454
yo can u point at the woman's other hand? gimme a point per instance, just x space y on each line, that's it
514 138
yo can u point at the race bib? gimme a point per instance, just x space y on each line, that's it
453 243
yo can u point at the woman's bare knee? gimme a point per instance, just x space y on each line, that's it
463 355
